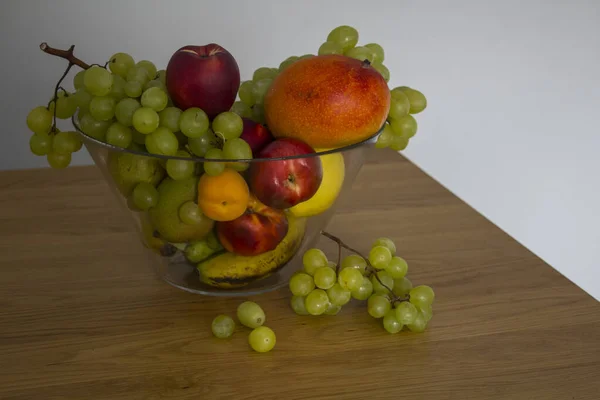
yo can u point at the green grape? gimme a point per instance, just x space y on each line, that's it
198 251
399 143
193 122
82 99
92 127
102 108
214 168
312 260
332 309
66 143
385 279
397 268
237 149
421 296
377 52
287 62
391 323
306 56
297 304
137 74
419 324
402 287
332 264
157 84
162 76
118 88
258 114
200 145
364 291
405 126
133 89
246 93
39 120
78 80
317 302
40 145
260 89
154 98
180 169
427 312
189 212
119 135
325 277
213 241
354 261
97 81
350 279
338 296
399 105
161 141
262 339
378 305
145 120
250 314
264 73
344 35
301 284
144 196
242 109
169 118
383 70
385 138
120 63
360 53
385 242
125 109
380 256
228 125
222 326
330 48
58 161
406 313
418 101
66 105
148 67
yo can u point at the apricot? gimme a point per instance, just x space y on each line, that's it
327 101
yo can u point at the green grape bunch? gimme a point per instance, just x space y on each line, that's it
323 287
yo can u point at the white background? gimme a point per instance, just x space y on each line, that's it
513 88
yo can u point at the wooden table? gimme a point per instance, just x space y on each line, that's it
83 318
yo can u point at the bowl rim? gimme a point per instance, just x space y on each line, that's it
195 158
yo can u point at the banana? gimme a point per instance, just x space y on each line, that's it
229 270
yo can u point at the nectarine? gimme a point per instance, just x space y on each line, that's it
327 101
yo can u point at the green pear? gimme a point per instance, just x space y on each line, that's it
164 216
128 170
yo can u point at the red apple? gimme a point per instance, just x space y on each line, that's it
256 135
284 183
207 77
258 230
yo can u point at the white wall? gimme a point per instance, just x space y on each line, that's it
513 88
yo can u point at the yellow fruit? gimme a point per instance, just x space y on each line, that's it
333 179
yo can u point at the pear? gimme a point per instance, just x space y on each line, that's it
127 170
164 216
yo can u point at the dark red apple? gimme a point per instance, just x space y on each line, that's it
207 77
258 230
256 135
284 183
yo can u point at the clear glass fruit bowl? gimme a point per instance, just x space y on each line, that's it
235 232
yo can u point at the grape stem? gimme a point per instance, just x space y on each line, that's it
371 268
66 54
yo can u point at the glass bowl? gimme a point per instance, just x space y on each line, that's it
174 248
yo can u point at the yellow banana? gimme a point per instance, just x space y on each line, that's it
228 270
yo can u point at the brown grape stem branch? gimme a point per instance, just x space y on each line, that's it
371 268
67 55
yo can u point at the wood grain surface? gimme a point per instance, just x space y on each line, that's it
82 317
